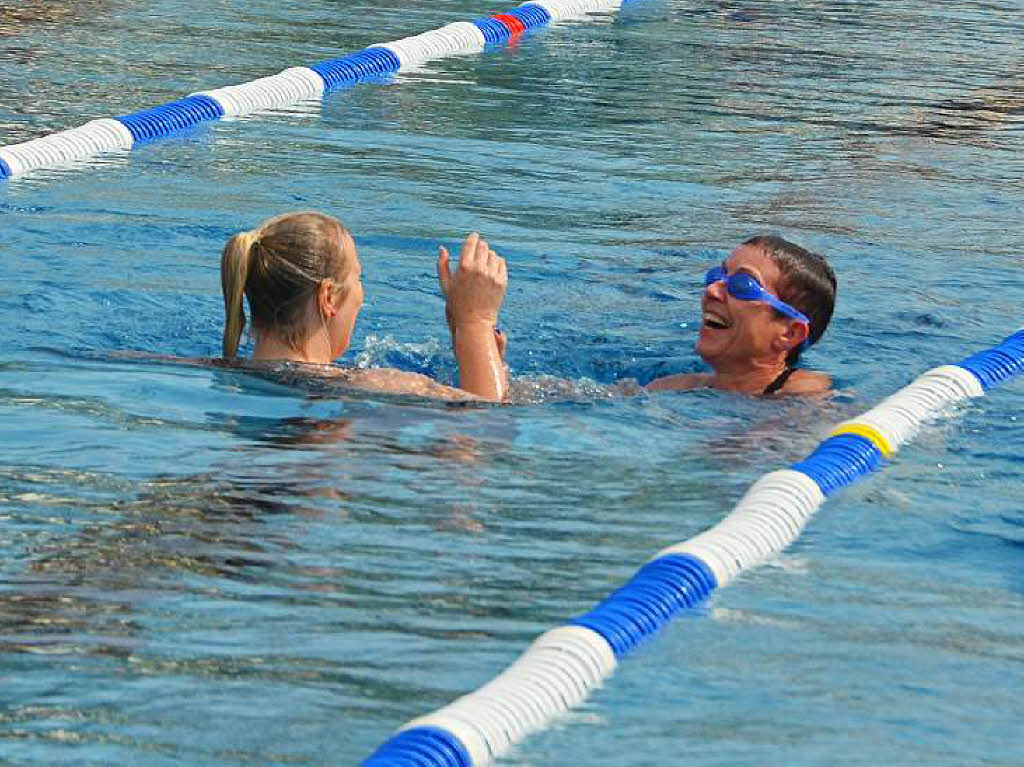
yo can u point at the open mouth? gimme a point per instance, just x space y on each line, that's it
715 321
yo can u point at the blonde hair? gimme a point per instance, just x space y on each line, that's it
278 266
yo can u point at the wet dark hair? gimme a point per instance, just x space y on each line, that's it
808 283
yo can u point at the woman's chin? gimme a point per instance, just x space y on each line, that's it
706 347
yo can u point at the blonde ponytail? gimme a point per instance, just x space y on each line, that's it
234 270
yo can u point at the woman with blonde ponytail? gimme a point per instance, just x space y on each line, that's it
300 274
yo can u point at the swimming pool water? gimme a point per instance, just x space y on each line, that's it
204 567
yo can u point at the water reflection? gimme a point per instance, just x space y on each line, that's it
80 590
17 17
122 555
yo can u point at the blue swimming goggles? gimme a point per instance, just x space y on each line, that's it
745 287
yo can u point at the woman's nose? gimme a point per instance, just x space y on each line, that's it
716 290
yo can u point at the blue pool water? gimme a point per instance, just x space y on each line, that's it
202 567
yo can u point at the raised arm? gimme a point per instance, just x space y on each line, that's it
473 296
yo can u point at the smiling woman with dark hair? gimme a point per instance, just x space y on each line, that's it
761 308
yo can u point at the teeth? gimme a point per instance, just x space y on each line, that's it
714 320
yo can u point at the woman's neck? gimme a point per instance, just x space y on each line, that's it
314 350
752 378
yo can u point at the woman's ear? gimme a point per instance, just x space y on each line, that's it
796 333
325 298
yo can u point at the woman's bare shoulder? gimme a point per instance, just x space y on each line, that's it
392 381
384 380
807 382
679 382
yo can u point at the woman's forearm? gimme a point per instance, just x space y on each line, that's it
481 369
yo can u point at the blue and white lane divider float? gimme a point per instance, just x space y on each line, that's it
288 87
559 669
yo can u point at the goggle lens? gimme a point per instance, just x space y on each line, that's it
744 287
715 273
740 285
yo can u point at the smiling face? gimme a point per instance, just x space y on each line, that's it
737 334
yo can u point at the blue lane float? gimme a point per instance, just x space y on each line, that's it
421 746
995 365
532 15
561 667
288 87
168 119
365 65
840 461
653 596
494 31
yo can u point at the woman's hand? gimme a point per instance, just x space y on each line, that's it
475 292
473 297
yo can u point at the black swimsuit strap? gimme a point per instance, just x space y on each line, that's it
779 382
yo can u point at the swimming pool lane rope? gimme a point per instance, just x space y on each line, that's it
288 87
560 668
